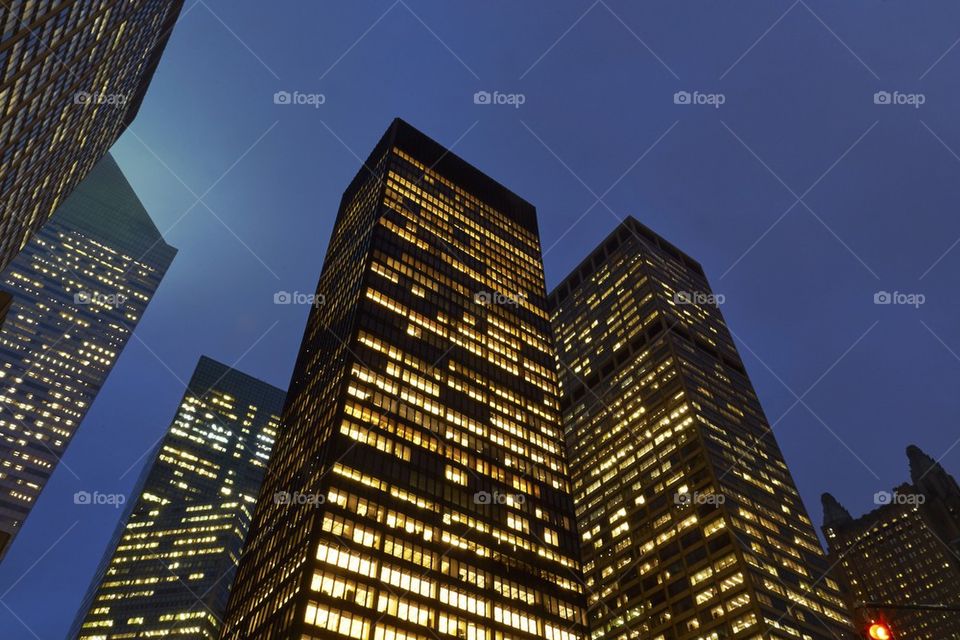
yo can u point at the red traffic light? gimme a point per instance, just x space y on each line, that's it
879 631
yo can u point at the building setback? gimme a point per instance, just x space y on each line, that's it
72 77
170 572
79 288
906 551
422 430
690 524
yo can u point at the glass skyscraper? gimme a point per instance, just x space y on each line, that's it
170 571
421 434
690 524
79 288
72 76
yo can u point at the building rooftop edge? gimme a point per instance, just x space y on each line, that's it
628 221
441 159
235 371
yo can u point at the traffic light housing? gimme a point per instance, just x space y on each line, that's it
879 631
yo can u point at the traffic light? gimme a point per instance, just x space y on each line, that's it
879 631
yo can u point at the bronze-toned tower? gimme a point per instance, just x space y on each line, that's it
418 490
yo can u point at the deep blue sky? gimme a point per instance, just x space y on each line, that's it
798 103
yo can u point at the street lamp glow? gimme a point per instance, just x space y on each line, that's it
879 631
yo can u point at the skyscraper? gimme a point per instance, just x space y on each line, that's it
422 433
171 570
79 288
690 524
906 551
72 77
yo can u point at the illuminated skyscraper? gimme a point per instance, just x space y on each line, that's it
906 551
172 567
422 430
72 77
690 525
79 287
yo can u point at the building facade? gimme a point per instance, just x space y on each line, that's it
906 551
171 570
79 288
690 525
72 77
422 432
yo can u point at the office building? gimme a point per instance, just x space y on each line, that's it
904 552
72 77
690 525
422 435
170 572
79 288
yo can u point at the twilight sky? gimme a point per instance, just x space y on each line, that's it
800 194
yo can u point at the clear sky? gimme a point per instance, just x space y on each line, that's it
801 196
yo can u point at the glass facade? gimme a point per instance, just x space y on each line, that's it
422 426
79 288
690 525
170 571
72 76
